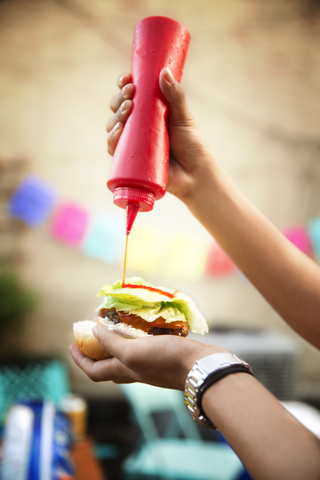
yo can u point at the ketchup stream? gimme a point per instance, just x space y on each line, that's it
132 211
125 261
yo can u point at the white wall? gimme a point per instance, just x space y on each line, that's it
252 81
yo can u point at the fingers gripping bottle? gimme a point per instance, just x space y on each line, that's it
139 171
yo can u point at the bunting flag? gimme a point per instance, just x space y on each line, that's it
32 202
218 262
103 237
185 258
145 250
69 224
298 235
314 233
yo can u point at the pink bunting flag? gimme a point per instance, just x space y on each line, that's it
298 235
69 224
218 262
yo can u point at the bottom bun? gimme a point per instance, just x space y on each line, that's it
90 346
87 342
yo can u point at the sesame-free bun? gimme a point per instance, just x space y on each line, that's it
89 345
87 342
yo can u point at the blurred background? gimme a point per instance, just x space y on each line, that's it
251 80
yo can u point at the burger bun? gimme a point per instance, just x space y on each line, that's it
90 346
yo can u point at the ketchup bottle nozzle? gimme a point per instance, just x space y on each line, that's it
132 211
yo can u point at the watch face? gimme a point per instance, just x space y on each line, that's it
217 361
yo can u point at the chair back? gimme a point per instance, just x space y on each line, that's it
147 401
35 379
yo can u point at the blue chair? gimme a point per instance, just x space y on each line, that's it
177 452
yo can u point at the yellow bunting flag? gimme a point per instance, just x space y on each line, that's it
185 258
145 250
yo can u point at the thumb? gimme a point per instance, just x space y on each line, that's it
174 94
110 340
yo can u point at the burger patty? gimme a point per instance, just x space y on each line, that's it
157 327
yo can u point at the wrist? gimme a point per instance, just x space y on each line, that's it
199 351
206 372
207 185
222 398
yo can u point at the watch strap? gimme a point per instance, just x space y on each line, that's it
205 373
215 377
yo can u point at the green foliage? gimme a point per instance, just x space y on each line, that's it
16 301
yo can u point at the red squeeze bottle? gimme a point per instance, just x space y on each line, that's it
139 171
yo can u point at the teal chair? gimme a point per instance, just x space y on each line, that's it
34 379
178 451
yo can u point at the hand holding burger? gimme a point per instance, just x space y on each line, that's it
137 310
160 360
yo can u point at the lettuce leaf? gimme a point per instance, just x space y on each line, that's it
152 305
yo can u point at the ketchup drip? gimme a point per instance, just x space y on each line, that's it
132 211
151 289
125 261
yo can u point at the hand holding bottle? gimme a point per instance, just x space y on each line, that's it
190 157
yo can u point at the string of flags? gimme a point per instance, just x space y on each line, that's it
102 236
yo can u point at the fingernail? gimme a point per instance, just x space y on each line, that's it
95 331
123 106
169 76
124 91
116 127
121 78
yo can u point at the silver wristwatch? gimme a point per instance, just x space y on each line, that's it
204 373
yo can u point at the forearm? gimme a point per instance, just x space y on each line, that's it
270 442
288 279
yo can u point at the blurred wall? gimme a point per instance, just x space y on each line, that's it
252 81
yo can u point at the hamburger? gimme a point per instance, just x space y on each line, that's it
138 309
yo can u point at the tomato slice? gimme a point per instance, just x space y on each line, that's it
138 322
